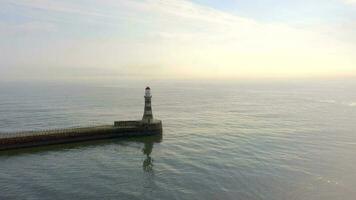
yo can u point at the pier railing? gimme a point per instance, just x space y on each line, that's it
53 131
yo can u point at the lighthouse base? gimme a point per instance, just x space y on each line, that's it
140 126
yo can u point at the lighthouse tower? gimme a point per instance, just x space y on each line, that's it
147 125
147 114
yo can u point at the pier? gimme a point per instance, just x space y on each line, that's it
145 127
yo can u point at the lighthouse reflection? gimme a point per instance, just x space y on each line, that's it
147 164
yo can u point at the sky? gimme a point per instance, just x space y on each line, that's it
177 39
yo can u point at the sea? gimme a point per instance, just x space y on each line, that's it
244 139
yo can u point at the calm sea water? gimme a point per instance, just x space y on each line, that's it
221 140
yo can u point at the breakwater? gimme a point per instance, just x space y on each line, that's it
59 136
145 127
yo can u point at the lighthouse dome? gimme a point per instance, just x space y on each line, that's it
148 92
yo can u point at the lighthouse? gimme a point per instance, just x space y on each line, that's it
147 114
147 125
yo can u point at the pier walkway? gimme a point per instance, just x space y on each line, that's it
63 131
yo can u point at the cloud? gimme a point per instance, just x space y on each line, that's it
172 39
350 2
27 28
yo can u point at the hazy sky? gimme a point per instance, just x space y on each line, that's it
50 39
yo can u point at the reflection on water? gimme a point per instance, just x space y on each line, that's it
148 142
148 162
90 162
